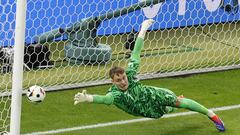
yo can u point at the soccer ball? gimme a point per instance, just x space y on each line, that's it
36 94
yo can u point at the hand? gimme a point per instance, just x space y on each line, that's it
82 97
146 24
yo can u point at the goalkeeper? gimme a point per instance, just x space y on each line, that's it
137 99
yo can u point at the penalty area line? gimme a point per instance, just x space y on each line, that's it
127 121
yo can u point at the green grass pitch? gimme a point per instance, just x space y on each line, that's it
210 89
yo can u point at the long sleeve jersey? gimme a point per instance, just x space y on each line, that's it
138 99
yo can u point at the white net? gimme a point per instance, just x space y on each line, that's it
75 43
6 59
86 39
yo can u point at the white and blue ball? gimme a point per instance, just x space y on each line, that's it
36 93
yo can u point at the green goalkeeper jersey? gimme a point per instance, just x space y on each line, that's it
138 99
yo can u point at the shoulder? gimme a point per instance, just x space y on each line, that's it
114 91
133 63
112 88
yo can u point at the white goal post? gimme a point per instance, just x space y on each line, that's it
17 78
72 44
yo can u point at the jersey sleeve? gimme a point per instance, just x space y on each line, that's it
132 68
103 99
134 63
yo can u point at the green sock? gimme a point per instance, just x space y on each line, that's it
192 105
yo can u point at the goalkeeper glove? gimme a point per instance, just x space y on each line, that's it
82 97
145 25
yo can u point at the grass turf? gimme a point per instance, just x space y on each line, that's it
211 89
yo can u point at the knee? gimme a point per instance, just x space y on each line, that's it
182 102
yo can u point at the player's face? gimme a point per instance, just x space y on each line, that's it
121 81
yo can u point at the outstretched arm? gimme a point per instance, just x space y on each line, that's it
139 41
99 99
133 65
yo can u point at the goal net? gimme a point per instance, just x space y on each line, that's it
73 44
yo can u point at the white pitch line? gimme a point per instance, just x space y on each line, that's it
127 121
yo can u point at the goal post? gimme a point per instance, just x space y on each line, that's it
16 100
73 44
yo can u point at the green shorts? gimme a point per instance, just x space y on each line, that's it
166 97
162 101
